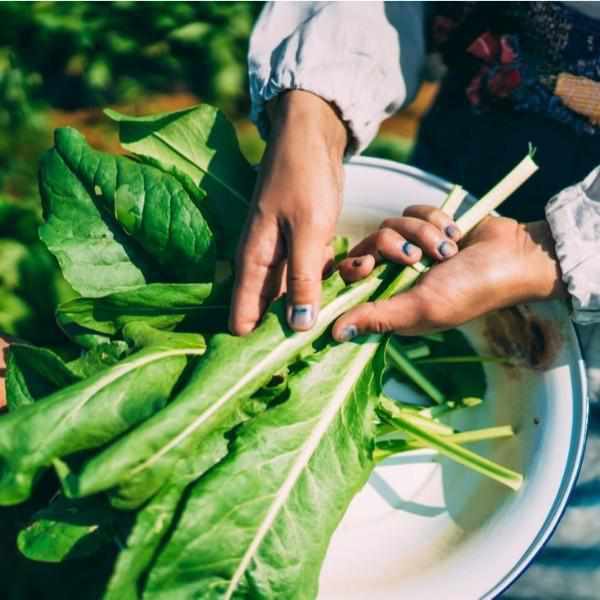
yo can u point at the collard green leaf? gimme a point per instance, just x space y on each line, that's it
33 373
154 520
98 358
95 256
17 390
141 335
161 305
84 415
201 143
233 369
114 223
68 529
289 476
151 525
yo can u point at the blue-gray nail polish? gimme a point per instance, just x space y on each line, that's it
349 332
301 315
408 248
452 231
446 249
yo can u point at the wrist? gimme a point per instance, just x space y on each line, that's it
308 117
543 267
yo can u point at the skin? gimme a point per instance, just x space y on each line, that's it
3 349
296 204
295 208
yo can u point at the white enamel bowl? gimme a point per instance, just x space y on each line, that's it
423 528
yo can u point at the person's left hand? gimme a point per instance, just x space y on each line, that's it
501 263
3 350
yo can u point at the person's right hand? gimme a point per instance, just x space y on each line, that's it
294 211
4 342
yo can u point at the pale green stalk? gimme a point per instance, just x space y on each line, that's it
386 448
401 362
481 209
392 414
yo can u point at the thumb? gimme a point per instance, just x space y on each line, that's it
306 253
406 313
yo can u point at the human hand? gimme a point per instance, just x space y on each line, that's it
3 352
296 204
501 263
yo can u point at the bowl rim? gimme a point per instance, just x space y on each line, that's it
580 402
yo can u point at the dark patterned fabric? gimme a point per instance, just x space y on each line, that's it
508 55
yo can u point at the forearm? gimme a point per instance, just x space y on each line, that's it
573 217
365 58
3 351
308 120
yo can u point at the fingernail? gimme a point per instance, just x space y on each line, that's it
408 248
349 332
357 262
446 249
452 231
301 315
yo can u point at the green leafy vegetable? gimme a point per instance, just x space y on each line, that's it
390 413
289 477
212 402
267 438
68 529
33 373
84 415
142 220
202 144
161 305
98 358
154 520
340 246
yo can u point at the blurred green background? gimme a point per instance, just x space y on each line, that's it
61 63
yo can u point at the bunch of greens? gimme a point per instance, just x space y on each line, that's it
170 458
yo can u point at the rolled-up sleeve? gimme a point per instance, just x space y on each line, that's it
574 219
365 57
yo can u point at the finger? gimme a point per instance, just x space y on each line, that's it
258 275
353 269
436 217
306 248
387 244
406 313
426 236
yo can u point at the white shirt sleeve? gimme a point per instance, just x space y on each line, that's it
574 219
365 57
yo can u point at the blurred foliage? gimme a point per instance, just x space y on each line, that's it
390 147
30 283
79 54
60 64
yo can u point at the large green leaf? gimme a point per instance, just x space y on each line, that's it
201 143
98 358
233 369
288 479
154 520
33 373
68 529
84 415
114 223
161 305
